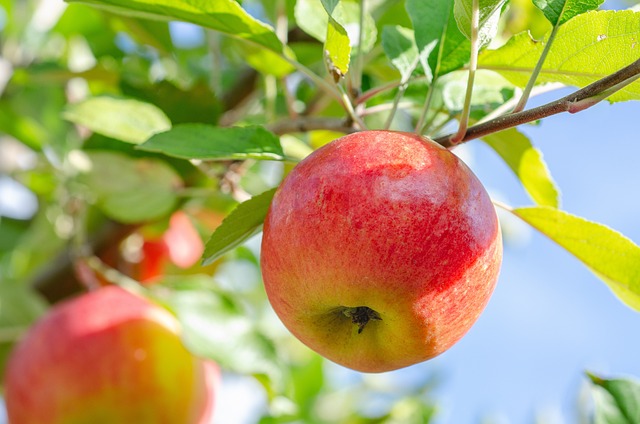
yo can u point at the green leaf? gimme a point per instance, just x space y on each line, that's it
128 120
24 128
437 35
577 54
201 141
311 16
489 15
617 401
337 50
400 47
527 163
490 90
225 16
337 46
560 11
216 326
611 256
131 190
241 224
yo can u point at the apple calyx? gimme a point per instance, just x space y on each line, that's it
361 315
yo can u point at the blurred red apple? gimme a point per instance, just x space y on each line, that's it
178 250
380 250
107 357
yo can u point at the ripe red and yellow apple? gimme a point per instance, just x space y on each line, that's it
107 357
380 250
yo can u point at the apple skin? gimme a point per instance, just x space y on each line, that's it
380 250
107 357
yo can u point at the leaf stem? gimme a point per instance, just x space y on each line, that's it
394 108
425 109
473 65
356 79
574 102
536 71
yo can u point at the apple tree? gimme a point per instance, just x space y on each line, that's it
142 143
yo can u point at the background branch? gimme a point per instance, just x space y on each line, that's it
309 123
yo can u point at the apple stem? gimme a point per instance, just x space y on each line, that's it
361 315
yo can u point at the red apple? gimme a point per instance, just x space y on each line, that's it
380 250
107 357
179 245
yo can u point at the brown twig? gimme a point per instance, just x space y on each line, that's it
309 123
574 102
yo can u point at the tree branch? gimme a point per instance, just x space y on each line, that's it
574 102
309 123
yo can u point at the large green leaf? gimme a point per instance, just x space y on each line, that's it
241 224
225 16
128 120
616 401
488 22
131 190
527 163
200 141
610 255
438 36
560 11
577 54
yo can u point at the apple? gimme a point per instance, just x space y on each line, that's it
108 356
380 250
179 245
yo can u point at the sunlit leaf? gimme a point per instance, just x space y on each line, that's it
131 190
527 163
226 16
400 47
337 49
611 256
488 20
312 18
242 223
200 141
128 120
560 11
576 57
616 401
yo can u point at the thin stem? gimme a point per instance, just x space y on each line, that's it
473 65
381 89
536 71
289 99
270 94
574 102
394 107
425 109
356 78
429 122
388 106
310 123
346 102
282 22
